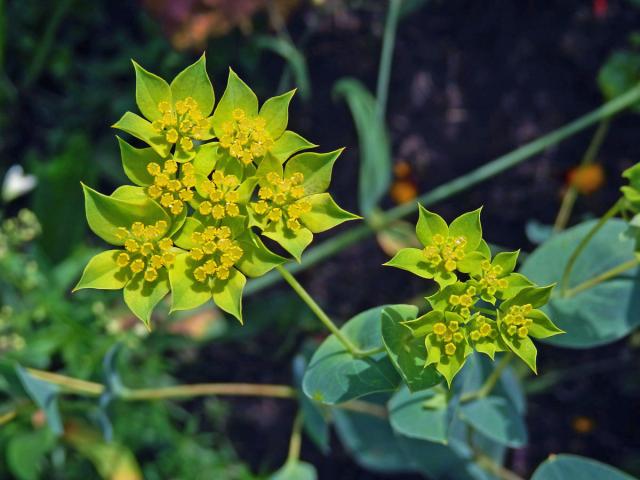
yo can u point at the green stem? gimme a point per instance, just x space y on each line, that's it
93 389
489 170
322 316
490 382
570 197
210 389
611 273
487 463
386 57
613 211
296 439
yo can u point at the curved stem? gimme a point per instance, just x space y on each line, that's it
322 316
490 382
611 273
571 195
296 439
487 463
564 282
487 171
386 57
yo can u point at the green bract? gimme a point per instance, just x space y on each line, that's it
206 180
481 304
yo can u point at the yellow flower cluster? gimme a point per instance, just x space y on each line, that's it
464 302
282 199
490 281
481 328
171 192
182 124
448 251
145 249
223 195
516 320
245 138
216 253
449 334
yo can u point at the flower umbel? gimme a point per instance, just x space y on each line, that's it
244 137
215 254
146 249
182 123
222 196
167 189
281 200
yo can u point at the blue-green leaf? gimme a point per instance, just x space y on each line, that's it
375 152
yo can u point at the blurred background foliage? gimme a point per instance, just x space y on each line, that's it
65 76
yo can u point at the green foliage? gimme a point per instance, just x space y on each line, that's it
580 312
209 180
480 304
375 151
620 73
335 376
296 471
559 467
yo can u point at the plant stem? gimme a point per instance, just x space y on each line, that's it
296 439
386 57
489 170
322 316
611 273
490 382
93 389
367 408
210 389
564 282
571 195
72 385
487 463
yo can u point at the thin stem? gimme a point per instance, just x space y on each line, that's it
564 282
487 463
611 273
571 195
317 310
490 382
367 408
209 389
72 385
485 172
296 439
386 57
93 389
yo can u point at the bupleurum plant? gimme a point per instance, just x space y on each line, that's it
213 181
210 182
481 303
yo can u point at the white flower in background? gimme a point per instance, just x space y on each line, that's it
16 183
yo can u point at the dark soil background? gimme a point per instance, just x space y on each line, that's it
471 81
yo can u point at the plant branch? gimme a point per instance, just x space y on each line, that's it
487 463
322 316
296 439
386 57
485 172
490 382
571 195
611 273
613 211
